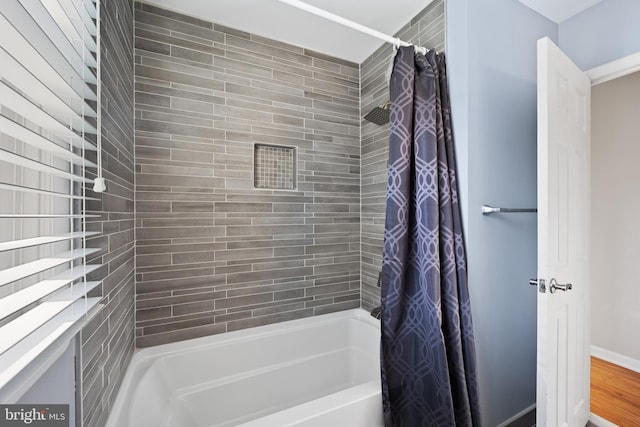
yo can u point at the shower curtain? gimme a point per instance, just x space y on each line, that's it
427 348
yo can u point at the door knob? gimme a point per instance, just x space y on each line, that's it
554 286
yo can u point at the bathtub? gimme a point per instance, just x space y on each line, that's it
317 371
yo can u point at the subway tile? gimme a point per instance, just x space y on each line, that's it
337 228
108 339
191 55
143 206
173 15
162 62
233 269
178 232
332 308
191 156
266 320
173 222
178 180
276 43
288 207
231 65
288 218
176 325
258 197
191 207
243 207
180 335
242 289
242 254
269 275
192 257
268 230
202 306
224 318
159 36
153 313
243 300
270 264
178 129
328 289
175 23
266 94
262 48
178 274
177 77
173 284
190 105
279 309
297 243
327 249
195 154
152 46
156 87
336 268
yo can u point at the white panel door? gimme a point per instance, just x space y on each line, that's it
564 157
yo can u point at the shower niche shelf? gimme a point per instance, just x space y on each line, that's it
274 167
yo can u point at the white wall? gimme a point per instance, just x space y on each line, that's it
615 314
605 32
491 50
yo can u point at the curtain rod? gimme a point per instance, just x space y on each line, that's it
351 24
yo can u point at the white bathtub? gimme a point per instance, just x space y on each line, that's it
318 371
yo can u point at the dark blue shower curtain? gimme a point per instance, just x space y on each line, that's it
427 349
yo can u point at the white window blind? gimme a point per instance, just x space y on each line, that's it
49 107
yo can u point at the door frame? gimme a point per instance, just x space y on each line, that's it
614 69
603 73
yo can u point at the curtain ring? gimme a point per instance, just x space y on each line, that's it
420 49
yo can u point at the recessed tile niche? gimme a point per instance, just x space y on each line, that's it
274 167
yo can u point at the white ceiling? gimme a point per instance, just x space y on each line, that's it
279 21
559 10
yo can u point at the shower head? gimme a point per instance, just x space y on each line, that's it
379 115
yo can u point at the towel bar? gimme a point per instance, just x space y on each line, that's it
488 210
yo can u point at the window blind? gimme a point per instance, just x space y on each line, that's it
49 110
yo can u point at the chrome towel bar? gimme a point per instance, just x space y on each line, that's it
488 210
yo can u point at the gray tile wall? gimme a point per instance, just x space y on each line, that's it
213 253
426 29
108 340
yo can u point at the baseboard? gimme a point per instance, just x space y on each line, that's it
616 358
517 416
595 419
601 422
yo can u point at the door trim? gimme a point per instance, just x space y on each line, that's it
614 69
603 73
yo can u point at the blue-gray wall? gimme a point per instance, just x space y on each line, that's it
603 33
491 48
56 386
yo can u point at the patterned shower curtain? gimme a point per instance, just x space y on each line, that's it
428 355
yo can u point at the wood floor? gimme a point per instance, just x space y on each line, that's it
615 393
